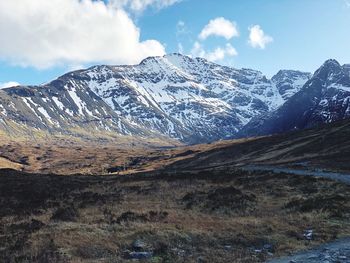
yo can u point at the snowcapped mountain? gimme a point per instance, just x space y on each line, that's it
324 98
189 99
289 82
59 106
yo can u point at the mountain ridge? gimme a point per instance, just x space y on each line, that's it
174 96
324 98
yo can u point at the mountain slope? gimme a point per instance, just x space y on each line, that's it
60 107
188 99
324 147
289 82
325 98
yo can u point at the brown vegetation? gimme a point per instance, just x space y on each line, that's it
211 216
184 204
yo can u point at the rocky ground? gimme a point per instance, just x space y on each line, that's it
334 252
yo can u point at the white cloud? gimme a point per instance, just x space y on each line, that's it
44 33
257 37
198 50
8 84
181 23
140 5
181 28
218 54
219 27
230 50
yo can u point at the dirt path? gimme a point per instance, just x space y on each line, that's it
338 251
334 252
341 177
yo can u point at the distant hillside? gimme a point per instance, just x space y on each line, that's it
326 146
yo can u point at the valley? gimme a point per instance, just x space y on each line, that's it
182 204
325 147
174 131
176 159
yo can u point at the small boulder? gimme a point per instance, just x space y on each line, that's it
140 255
308 234
138 245
227 247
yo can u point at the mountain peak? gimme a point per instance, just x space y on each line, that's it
329 69
150 60
331 62
289 82
179 55
175 58
289 72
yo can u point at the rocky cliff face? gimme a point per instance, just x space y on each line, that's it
289 82
324 98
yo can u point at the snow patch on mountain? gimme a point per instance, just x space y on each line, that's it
185 97
189 99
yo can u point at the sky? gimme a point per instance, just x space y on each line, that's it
43 39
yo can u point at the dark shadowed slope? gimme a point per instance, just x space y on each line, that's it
326 146
325 98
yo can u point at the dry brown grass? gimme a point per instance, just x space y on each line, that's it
202 230
5 163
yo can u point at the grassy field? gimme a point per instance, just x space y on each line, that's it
214 216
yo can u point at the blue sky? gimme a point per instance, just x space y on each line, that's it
301 34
